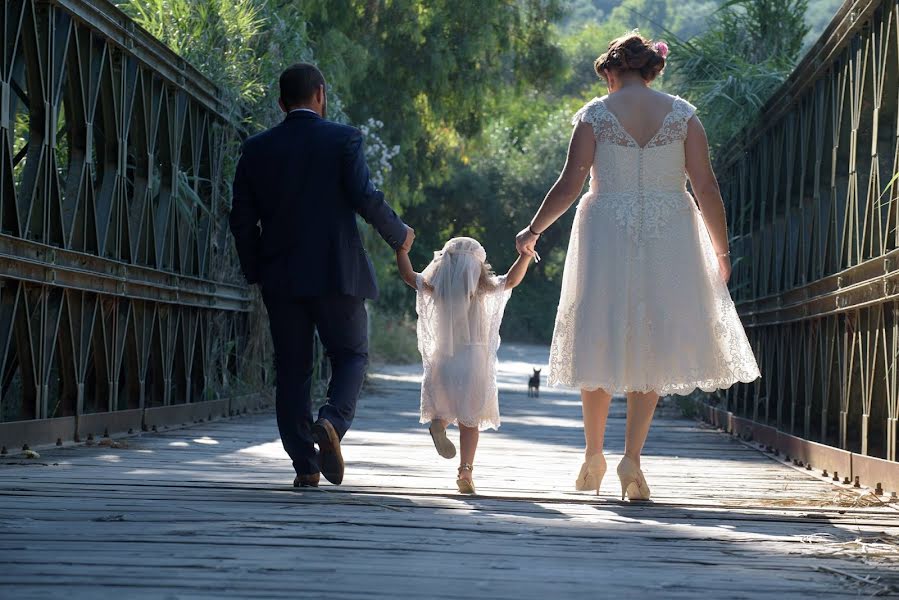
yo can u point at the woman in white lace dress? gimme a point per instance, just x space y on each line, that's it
645 308
460 307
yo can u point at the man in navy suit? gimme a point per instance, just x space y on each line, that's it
297 191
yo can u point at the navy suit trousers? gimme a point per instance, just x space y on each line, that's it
342 324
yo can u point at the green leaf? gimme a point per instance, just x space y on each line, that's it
890 184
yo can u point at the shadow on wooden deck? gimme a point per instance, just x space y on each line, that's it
207 511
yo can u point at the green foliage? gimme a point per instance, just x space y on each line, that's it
732 69
684 17
393 339
215 36
432 71
581 47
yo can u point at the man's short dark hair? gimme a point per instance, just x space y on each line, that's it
299 83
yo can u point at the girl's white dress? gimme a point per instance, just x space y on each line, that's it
643 307
459 384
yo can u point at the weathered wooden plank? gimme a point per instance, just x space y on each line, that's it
208 511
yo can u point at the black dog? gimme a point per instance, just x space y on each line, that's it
534 384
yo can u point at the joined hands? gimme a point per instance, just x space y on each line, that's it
410 239
526 243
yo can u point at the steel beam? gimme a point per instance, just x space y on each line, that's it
25 260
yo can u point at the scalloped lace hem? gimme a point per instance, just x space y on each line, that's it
662 389
482 423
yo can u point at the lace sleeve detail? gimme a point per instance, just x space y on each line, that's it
605 126
674 128
684 108
589 113
494 308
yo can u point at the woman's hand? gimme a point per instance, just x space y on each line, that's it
526 242
724 267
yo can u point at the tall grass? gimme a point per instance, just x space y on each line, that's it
393 340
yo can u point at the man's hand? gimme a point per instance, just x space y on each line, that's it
525 242
410 238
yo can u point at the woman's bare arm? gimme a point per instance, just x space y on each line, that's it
565 190
708 194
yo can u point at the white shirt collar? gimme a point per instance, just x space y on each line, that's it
306 109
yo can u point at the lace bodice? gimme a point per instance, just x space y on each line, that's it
641 184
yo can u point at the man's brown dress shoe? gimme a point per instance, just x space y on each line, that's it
330 459
310 480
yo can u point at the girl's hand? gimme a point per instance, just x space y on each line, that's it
526 242
404 266
409 240
724 267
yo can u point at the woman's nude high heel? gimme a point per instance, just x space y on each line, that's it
466 486
592 472
633 484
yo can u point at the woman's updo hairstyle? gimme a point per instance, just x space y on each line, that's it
633 52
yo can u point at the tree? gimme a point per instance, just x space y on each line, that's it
432 71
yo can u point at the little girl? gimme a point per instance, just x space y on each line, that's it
460 307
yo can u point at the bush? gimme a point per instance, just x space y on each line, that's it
393 339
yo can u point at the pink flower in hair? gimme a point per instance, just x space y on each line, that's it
662 49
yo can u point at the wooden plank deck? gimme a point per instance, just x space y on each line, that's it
208 511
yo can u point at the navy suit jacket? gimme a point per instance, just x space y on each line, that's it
297 190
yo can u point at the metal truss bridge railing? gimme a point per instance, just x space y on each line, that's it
816 227
120 301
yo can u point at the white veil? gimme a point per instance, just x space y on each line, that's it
454 276
459 316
